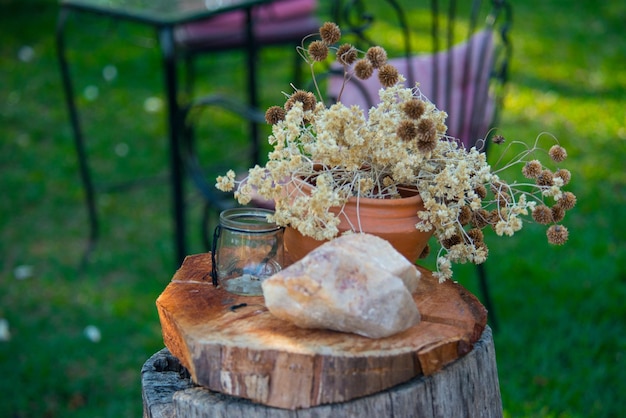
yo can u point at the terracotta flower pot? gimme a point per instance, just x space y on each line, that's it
391 219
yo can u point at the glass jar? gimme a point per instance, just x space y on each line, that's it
247 249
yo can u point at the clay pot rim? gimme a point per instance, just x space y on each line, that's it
408 195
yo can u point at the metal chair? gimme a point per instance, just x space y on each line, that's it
197 117
281 22
462 69
247 26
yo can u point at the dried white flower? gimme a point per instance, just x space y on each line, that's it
340 153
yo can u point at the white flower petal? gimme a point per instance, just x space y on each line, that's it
26 53
152 104
5 334
92 333
23 272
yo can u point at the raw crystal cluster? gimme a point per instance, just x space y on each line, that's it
357 283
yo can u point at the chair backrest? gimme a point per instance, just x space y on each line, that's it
462 69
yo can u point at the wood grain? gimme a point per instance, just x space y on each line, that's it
233 345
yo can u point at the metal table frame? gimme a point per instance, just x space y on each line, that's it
164 16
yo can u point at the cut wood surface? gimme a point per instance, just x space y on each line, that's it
233 345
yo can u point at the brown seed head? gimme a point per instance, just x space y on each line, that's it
498 186
475 235
557 234
532 169
503 198
498 139
494 216
480 218
318 50
414 108
481 191
425 252
407 130
564 174
427 131
545 178
330 33
558 213
452 241
567 201
542 215
347 54
275 114
363 69
305 97
557 153
465 215
426 147
377 56
388 75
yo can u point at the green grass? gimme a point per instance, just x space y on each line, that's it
561 346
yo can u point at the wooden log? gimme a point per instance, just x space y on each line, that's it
467 387
162 376
233 345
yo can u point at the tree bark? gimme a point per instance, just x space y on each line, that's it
467 387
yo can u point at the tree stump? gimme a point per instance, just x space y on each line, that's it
232 345
466 388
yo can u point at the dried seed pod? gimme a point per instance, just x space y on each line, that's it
347 54
363 69
557 153
330 33
318 51
388 75
557 234
275 114
377 56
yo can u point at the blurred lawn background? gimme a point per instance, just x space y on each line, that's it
73 341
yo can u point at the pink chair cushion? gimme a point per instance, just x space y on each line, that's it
275 22
277 10
465 85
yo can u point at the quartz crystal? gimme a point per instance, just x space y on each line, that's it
344 285
368 247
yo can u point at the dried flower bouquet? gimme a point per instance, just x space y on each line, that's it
401 143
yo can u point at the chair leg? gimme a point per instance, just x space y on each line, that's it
83 163
253 101
207 231
190 74
484 289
